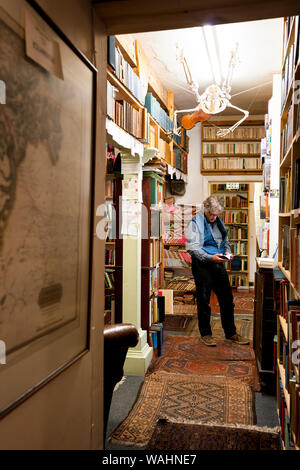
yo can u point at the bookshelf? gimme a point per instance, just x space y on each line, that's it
236 219
238 153
177 273
288 292
151 260
139 104
113 243
109 229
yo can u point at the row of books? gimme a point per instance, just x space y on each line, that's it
286 246
109 278
242 132
235 217
238 248
225 163
238 280
286 33
237 233
294 244
156 309
287 134
244 265
239 148
284 196
293 322
296 185
155 279
124 71
181 138
169 238
281 294
156 188
155 257
158 113
284 419
295 411
237 201
109 302
129 118
287 75
157 165
182 283
297 117
156 338
109 256
176 258
180 159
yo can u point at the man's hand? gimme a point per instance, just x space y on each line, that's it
216 258
229 254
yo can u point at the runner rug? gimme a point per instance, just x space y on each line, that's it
243 323
184 399
170 435
243 303
189 356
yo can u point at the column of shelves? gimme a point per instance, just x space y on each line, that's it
151 261
236 219
288 323
110 249
287 364
113 243
177 273
147 118
238 153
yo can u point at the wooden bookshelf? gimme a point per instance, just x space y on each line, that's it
237 154
289 230
151 261
113 243
174 226
127 108
238 232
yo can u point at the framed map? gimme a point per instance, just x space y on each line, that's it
46 196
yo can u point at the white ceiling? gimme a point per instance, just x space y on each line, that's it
260 56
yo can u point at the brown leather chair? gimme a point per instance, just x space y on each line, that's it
117 339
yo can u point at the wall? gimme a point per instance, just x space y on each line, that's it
198 186
67 412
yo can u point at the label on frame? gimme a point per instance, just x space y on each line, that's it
40 48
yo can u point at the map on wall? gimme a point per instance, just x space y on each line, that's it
45 168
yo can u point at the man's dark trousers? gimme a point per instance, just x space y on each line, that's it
213 276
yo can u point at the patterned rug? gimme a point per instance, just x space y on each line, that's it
193 348
189 356
243 323
187 399
170 435
243 303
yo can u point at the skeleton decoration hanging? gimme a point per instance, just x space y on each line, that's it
214 100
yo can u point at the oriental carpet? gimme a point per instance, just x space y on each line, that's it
185 399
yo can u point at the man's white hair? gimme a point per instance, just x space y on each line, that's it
212 204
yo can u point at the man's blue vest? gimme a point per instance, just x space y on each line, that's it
209 244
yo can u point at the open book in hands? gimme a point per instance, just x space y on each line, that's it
227 257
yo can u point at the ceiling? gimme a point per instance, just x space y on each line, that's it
259 52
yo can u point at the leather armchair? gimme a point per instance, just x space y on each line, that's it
117 339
